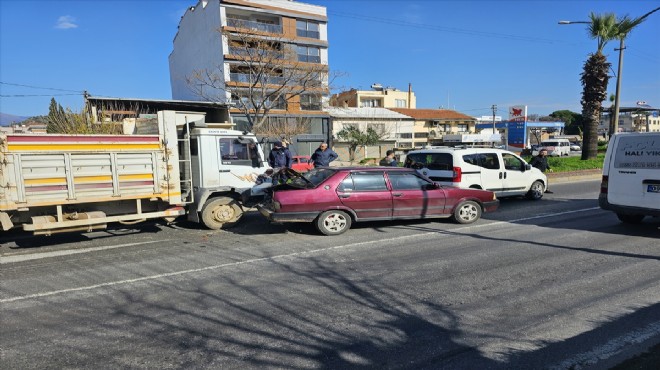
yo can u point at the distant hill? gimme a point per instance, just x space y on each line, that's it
7 119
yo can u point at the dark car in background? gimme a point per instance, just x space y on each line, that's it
335 197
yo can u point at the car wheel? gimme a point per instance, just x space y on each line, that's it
630 219
333 222
467 212
535 191
221 213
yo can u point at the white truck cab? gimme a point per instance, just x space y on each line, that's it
631 176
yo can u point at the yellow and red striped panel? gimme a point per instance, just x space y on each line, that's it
34 143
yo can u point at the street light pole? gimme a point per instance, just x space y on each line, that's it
615 122
494 108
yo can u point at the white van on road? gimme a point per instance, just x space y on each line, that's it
631 176
497 170
555 147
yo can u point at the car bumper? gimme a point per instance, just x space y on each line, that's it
491 206
288 216
627 210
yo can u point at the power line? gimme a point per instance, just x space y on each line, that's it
441 28
41 88
29 95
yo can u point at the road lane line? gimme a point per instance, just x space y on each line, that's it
271 258
611 348
28 257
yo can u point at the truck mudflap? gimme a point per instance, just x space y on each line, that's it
89 221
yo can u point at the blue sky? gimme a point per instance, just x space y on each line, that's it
463 55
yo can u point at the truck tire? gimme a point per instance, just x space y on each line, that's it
221 213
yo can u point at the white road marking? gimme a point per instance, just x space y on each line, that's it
28 257
611 348
271 258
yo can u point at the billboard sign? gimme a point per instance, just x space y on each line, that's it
518 113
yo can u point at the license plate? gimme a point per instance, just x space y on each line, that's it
653 189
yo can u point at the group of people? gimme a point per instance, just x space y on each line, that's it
280 156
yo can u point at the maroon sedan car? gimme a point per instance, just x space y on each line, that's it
335 197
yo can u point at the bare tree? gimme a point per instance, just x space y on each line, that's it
284 128
268 73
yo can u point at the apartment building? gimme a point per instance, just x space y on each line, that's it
631 120
253 54
431 124
377 97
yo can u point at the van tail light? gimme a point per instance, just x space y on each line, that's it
457 175
603 184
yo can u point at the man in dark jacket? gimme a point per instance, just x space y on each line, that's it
279 156
541 162
323 156
389 160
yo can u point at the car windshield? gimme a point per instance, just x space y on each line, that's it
550 143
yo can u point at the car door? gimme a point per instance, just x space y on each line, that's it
516 179
414 196
490 168
367 194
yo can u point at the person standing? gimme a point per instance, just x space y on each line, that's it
541 162
323 156
389 159
279 156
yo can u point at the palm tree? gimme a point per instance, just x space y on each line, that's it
594 79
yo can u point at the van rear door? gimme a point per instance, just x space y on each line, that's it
634 173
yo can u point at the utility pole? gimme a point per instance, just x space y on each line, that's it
494 108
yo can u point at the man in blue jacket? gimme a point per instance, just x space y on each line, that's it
323 156
279 156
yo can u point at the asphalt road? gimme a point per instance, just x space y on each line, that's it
556 284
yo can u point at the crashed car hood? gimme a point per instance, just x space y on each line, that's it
288 178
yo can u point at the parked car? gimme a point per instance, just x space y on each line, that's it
299 163
334 198
575 147
555 147
497 170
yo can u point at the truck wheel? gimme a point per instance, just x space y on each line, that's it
221 213
535 191
333 222
467 212
630 219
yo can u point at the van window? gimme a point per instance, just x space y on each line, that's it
550 143
511 162
432 161
485 160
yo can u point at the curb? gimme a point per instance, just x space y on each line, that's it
582 175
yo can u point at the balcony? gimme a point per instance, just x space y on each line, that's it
309 58
254 26
248 78
255 53
308 34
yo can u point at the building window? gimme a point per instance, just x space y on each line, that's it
310 102
407 135
421 135
307 29
309 54
400 103
462 127
370 103
443 127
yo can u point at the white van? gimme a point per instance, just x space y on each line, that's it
497 170
631 176
555 147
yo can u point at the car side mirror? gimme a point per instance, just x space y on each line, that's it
527 167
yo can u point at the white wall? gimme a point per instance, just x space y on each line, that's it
197 46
